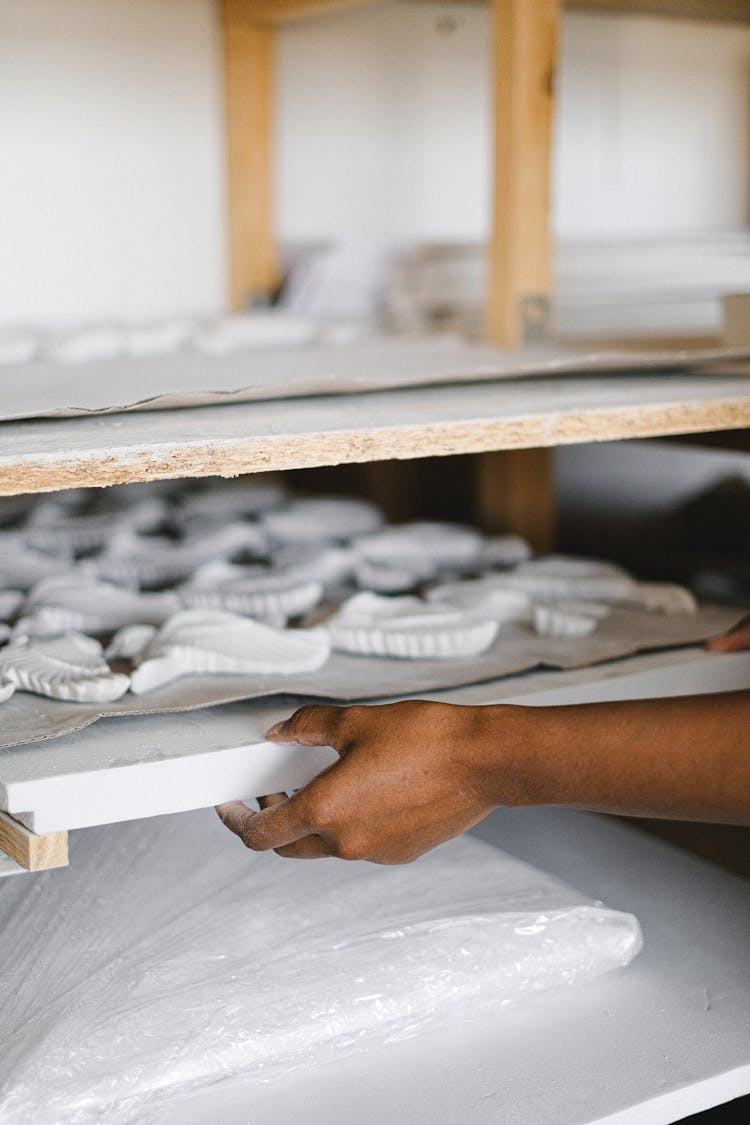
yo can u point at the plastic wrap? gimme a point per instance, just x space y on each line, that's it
167 958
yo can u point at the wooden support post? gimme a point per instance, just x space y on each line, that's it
249 100
514 489
35 853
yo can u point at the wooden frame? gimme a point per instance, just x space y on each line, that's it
35 853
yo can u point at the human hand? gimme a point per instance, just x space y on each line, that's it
734 640
410 775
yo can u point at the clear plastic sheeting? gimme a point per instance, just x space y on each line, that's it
166 958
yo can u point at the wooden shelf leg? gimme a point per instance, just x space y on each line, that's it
514 489
249 56
35 853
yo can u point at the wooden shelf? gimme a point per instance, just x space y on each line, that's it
43 455
286 11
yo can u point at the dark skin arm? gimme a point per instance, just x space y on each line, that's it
411 775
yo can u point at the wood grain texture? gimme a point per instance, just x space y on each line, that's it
514 492
39 456
248 101
35 853
524 53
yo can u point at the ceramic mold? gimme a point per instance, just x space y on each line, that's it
130 642
10 603
71 668
407 628
568 619
232 334
85 345
444 545
254 591
321 517
52 528
22 566
160 338
663 597
384 578
57 605
154 561
210 642
484 598
231 500
503 550
323 562
556 577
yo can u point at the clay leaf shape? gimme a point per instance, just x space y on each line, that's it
154 561
485 597
210 642
21 566
76 602
568 619
313 518
230 501
270 595
407 628
70 668
52 527
558 577
445 545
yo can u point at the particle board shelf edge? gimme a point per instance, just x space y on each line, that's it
49 454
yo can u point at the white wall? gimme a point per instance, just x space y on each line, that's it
111 173
111 187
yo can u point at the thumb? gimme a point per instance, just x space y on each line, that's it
314 725
735 639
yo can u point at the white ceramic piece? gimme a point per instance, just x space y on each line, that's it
74 601
568 619
269 595
7 688
161 338
21 566
85 345
407 628
10 603
560 577
51 527
384 578
664 597
444 545
71 668
333 565
503 550
231 500
485 598
321 517
210 642
130 642
232 334
154 561
17 347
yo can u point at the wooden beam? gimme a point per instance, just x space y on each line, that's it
734 11
524 44
514 491
249 100
271 12
35 853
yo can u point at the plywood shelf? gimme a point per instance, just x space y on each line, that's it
44 455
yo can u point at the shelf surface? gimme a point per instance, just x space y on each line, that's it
140 766
48 454
667 1037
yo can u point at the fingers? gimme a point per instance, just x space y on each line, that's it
258 834
734 640
272 827
314 725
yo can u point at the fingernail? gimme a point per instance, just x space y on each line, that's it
274 730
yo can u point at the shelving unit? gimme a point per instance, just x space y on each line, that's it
496 421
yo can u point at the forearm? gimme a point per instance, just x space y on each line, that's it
685 758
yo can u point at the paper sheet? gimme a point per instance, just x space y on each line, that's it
29 718
37 389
